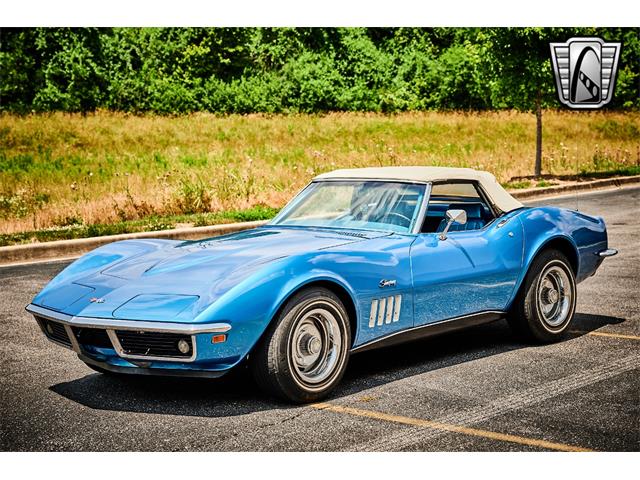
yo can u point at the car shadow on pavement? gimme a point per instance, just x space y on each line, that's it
237 394
376 367
586 322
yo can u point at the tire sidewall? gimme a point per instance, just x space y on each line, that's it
560 328
295 316
532 309
284 381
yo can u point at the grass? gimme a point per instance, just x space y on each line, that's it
619 171
518 185
76 175
153 223
544 183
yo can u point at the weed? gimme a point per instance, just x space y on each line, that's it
226 187
68 221
157 224
154 223
209 164
545 183
193 196
23 202
518 185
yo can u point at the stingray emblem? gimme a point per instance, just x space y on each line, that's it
387 283
96 300
585 71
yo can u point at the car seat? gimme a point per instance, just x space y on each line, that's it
475 218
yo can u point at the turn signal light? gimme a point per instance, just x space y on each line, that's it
219 338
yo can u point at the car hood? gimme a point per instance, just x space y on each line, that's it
178 280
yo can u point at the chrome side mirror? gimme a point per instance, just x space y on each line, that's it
453 216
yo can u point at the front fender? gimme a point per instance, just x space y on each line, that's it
250 306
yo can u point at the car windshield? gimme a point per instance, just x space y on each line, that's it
357 204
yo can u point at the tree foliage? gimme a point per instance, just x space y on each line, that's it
227 70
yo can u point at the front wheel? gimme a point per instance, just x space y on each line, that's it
304 352
545 306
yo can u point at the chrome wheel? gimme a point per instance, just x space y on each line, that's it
555 296
316 345
305 351
546 301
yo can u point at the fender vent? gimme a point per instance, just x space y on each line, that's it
385 310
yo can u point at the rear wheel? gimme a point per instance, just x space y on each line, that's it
546 303
305 351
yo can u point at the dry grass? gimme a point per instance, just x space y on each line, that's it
57 169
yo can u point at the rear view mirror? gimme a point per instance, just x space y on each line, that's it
458 217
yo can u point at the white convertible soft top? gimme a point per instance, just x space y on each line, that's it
499 196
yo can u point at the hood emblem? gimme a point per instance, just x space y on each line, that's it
387 283
96 300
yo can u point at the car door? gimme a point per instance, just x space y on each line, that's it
471 271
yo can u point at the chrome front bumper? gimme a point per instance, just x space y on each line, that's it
111 325
138 325
609 252
165 372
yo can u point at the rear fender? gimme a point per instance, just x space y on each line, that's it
582 235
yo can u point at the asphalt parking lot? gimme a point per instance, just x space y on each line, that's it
474 390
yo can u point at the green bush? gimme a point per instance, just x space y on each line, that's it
243 70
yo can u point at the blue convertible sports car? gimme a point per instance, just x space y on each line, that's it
360 259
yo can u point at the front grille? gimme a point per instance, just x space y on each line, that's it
54 330
93 337
153 344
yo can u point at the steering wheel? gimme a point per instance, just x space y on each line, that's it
406 221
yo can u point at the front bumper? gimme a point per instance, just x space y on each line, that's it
119 345
609 252
170 372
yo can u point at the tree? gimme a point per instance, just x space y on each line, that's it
19 69
72 76
518 59
243 70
